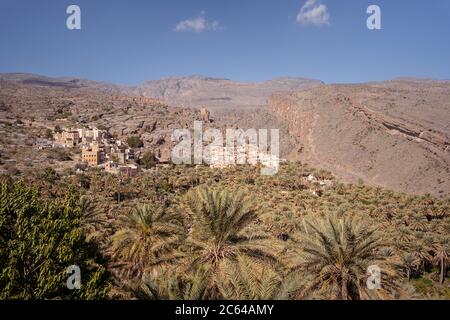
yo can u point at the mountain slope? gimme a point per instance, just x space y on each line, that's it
394 134
67 83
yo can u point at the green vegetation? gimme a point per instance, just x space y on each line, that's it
146 238
135 142
220 234
193 232
148 160
48 134
39 240
334 257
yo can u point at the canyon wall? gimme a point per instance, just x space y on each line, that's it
384 136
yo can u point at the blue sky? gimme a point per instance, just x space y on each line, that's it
247 40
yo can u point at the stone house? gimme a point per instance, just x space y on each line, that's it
91 155
67 139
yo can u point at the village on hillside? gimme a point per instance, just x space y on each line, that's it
98 149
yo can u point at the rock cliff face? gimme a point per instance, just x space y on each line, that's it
392 134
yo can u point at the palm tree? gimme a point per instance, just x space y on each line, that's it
410 264
92 219
335 256
190 286
251 280
421 252
403 235
441 258
418 222
147 237
220 230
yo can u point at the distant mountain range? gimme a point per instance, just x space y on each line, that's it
198 91
194 91
63 83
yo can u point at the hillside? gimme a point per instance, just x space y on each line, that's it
394 134
29 112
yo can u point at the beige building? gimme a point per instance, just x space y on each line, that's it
91 135
124 171
68 139
91 155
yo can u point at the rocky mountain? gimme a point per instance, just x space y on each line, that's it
219 95
394 134
66 83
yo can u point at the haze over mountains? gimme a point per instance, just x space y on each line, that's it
394 134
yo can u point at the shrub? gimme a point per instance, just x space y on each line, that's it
58 129
40 239
148 160
135 142
48 134
49 175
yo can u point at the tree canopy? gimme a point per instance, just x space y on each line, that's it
39 240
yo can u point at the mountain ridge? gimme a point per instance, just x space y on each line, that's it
218 94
